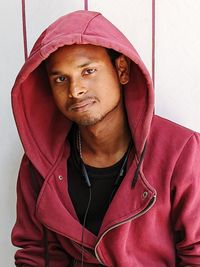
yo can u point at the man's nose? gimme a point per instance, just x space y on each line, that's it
76 90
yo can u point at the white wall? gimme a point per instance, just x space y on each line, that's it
11 57
177 61
177 70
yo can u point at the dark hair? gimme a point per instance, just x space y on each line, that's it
113 55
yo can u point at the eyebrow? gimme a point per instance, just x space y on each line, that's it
57 72
85 64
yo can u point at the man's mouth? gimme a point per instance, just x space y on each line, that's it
82 106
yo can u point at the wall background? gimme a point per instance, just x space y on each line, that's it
177 71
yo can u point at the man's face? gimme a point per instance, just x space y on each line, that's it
84 83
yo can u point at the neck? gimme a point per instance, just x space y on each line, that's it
105 143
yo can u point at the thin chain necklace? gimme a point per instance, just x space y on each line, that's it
84 171
79 144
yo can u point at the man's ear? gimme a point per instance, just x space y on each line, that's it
122 64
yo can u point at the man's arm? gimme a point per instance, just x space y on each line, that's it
28 233
186 204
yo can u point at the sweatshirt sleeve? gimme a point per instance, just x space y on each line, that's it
186 204
28 233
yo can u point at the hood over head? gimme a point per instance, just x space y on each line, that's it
41 126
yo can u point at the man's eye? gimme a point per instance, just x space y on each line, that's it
61 79
89 71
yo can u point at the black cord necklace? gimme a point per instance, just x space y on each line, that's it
84 170
87 180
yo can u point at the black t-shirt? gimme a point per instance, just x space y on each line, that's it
103 188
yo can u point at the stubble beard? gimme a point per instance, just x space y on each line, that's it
90 120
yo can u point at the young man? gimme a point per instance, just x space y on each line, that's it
103 180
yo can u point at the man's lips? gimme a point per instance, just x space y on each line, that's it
82 105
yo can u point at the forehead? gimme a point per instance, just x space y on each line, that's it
77 53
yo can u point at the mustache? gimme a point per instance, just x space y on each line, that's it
79 103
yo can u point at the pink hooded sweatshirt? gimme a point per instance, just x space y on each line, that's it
154 217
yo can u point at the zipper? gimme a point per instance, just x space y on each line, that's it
151 203
74 242
84 248
74 262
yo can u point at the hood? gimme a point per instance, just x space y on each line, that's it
41 126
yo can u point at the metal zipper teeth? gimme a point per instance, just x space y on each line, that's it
153 200
73 241
84 249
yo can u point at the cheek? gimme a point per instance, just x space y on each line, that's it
109 99
60 99
111 92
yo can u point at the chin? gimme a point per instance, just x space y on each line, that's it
89 121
